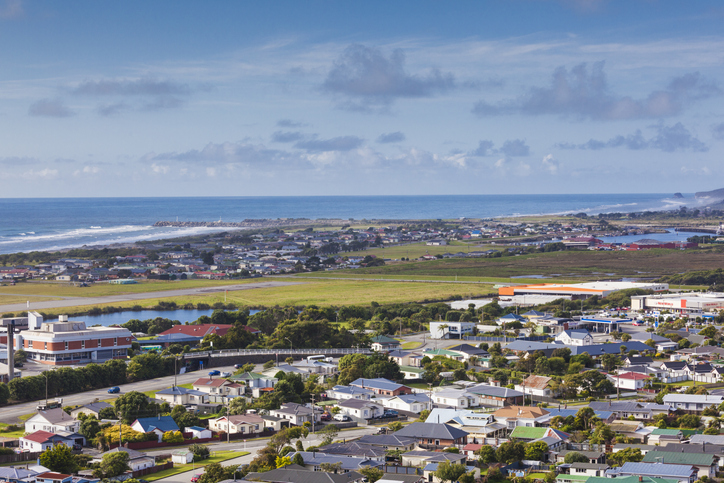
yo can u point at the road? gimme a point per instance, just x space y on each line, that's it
10 414
252 446
78 301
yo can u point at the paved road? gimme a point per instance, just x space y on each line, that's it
252 447
10 414
77 301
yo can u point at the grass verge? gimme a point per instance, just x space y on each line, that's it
217 457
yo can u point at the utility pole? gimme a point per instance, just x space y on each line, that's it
313 415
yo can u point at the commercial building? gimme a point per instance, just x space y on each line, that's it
690 303
71 342
576 291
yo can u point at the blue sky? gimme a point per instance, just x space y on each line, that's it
227 98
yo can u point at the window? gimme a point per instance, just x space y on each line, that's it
99 342
45 346
82 344
66 345
115 341
30 344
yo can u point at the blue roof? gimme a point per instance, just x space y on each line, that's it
615 348
197 428
178 391
564 413
162 423
653 469
512 316
379 383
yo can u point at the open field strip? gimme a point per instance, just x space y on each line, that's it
218 457
21 299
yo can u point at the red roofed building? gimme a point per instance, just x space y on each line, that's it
203 330
52 477
630 380
41 440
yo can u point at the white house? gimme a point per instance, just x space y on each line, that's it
360 409
456 398
39 441
179 395
450 330
199 432
415 403
536 386
241 423
182 457
136 459
341 393
52 421
296 414
575 337
629 380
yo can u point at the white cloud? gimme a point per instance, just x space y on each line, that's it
550 164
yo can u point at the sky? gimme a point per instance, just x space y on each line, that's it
248 98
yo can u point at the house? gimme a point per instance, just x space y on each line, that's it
314 460
706 464
624 409
629 429
254 380
513 416
296 414
382 343
528 434
456 398
300 474
406 358
341 393
157 425
479 426
692 402
414 403
451 330
91 409
391 441
210 386
680 473
355 449
241 423
361 409
495 396
421 458
632 381
381 386
136 459
644 448
176 395
662 437
593 456
412 372
182 457
536 386
52 477
39 441
10 474
470 353
274 423
605 416
53 421
434 436
198 432
589 469
638 361
579 337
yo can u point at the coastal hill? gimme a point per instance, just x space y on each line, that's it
714 194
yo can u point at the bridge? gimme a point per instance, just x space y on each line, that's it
259 356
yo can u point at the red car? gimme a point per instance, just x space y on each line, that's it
326 417
195 478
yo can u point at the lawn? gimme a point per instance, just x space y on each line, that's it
411 345
11 434
217 457
416 250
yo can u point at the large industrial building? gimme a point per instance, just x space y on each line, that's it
689 303
552 291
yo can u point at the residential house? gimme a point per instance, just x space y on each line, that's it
355 449
495 396
136 459
578 337
707 464
589 469
90 409
629 429
631 381
605 416
593 456
637 361
412 372
314 461
211 386
296 414
625 409
381 386
241 423
528 434
432 353
39 441
414 403
52 477
382 343
692 402
300 474
157 425
479 426
341 393
456 398
680 473
176 395
451 330
52 421
421 458
392 441
469 352
536 386
662 437
254 380
10 474
406 358
360 409
513 416
434 436
198 432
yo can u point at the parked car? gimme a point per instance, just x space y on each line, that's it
114 390
326 417
225 374
195 478
237 366
214 373
341 417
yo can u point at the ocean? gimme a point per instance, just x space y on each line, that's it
30 224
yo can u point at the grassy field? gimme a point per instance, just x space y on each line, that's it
11 434
20 299
585 265
46 289
417 250
357 275
411 345
218 457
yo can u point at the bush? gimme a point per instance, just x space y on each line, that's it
200 451
172 437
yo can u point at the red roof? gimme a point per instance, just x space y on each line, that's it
198 330
53 476
472 447
207 381
632 375
39 436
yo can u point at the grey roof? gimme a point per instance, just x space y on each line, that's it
692 448
431 430
653 469
357 403
9 473
132 453
354 448
693 398
293 408
387 440
578 334
299 474
348 462
378 383
55 416
179 391
590 466
485 390
707 438
95 406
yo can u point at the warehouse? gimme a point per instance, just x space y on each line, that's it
578 290
690 303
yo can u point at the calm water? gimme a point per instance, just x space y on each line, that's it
664 237
50 224
120 318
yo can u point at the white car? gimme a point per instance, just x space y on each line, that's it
341 417
225 374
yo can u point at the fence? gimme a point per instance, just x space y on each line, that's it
271 352
18 457
486 338
152 469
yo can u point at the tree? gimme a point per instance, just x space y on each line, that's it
626 455
268 365
708 331
510 451
59 458
625 337
133 405
237 406
283 461
372 473
90 427
575 457
183 418
486 455
394 426
113 464
602 434
4 393
214 472
331 467
447 471
172 437
689 421
299 460
20 356
536 451
329 432
200 451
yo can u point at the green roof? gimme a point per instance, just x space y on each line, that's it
247 376
526 432
441 352
416 370
665 432
690 432
581 478
679 458
383 339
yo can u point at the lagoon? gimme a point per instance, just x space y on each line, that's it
120 318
